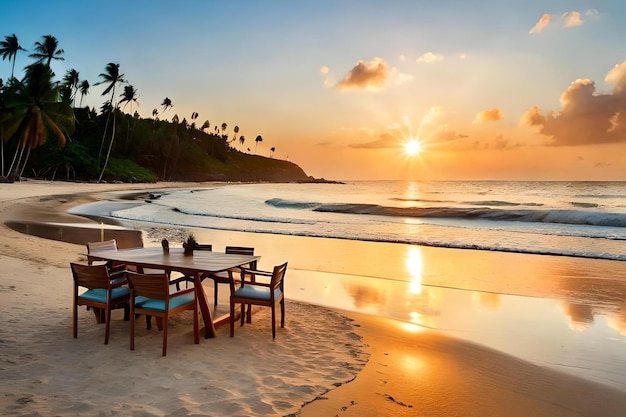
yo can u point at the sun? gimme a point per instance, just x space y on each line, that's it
412 147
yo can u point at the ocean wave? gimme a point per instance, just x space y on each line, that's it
282 203
597 249
576 217
534 250
264 219
497 203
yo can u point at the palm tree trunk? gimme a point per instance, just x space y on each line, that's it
106 126
11 173
25 162
2 155
106 161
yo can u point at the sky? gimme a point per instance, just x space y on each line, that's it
482 89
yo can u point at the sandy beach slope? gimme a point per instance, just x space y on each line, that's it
337 363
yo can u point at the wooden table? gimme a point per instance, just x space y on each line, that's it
194 265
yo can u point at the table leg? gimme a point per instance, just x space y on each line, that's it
209 328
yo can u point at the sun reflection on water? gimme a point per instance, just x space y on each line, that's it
415 267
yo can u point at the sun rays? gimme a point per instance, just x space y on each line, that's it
412 147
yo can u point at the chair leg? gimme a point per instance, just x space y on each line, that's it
215 290
132 327
282 313
243 309
97 312
75 320
196 327
232 318
107 323
164 335
274 321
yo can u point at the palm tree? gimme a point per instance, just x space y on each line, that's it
9 48
272 150
32 107
112 77
129 96
71 80
224 126
242 140
83 87
47 50
205 125
257 140
236 130
194 116
167 103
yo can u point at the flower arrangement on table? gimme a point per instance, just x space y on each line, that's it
190 244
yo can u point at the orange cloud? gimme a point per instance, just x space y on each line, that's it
541 24
385 141
363 75
572 19
429 57
486 116
586 117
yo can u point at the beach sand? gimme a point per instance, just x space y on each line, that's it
335 363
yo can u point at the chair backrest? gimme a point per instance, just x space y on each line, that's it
239 250
90 276
203 246
150 286
278 276
101 246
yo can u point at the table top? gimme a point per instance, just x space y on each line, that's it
155 257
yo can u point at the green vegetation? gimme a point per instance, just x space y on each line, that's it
43 134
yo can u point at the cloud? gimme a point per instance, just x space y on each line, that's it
329 81
386 140
586 116
400 77
571 19
364 75
541 24
486 116
429 57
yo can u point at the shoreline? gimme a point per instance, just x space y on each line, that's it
410 370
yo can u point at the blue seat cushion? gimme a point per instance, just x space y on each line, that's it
159 305
256 293
100 294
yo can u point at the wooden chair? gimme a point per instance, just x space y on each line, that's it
259 293
104 293
150 295
95 247
224 277
189 278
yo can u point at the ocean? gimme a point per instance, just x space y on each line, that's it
582 219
